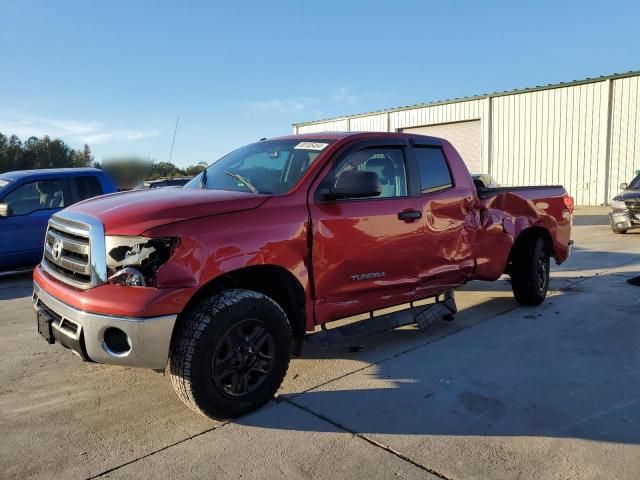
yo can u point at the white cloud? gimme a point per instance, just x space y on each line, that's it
344 95
72 131
282 105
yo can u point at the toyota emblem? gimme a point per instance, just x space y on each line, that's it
56 250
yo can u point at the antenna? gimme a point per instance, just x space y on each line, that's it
174 138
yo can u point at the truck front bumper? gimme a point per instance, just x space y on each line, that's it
116 340
624 220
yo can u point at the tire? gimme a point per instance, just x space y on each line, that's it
530 271
230 353
618 230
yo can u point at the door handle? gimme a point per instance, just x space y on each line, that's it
409 215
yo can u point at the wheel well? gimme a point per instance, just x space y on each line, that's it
538 232
271 280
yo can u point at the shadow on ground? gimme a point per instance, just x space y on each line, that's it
571 370
16 285
586 220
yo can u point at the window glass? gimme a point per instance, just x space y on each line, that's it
270 166
88 187
34 196
433 168
387 163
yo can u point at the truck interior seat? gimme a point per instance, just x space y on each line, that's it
385 169
50 194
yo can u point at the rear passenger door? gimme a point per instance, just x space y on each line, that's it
447 255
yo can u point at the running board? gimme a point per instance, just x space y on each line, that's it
443 309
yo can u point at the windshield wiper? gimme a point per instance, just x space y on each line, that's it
243 180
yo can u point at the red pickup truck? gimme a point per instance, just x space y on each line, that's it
223 278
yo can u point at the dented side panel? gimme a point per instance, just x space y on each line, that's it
505 216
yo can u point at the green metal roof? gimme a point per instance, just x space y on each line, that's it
477 97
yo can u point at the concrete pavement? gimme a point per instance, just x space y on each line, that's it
502 392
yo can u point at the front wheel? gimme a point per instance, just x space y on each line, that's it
230 354
530 271
618 230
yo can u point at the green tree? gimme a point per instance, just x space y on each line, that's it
165 170
40 153
193 170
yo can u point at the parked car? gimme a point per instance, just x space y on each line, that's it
29 197
625 207
221 279
484 180
163 182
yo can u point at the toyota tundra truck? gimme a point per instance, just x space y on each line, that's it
221 281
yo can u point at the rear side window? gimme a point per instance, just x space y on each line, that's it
434 170
88 187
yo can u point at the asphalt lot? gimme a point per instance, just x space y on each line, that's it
502 392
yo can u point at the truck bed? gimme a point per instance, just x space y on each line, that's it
489 192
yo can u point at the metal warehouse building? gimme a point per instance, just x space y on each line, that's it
583 134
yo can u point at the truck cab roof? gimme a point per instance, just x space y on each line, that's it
48 172
343 135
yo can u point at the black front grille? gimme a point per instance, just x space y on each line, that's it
633 205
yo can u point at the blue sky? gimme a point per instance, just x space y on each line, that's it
116 74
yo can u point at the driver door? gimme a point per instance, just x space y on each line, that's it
22 233
366 251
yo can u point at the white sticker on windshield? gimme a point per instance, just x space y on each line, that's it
310 146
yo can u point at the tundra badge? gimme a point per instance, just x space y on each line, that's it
367 276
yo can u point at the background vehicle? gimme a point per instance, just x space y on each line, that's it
484 180
625 207
223 278
29 197
164 182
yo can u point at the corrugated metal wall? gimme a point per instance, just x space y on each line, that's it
554 135
625 131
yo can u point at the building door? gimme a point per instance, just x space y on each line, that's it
466 137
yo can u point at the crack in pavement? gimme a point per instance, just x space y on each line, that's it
371 441
147 455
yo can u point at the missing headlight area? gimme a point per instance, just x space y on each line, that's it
134 261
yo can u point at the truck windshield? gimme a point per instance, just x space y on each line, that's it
635 183
269 167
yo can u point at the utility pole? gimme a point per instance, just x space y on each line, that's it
174 138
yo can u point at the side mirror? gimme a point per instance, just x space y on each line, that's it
5 210
355 184
624 186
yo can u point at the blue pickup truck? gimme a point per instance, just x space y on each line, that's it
29 197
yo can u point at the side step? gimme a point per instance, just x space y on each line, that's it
443 309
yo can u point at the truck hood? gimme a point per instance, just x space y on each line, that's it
630 194
134 212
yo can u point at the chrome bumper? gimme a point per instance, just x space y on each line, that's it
146 343
624 219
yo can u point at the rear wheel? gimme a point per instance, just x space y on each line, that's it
230 354
618 230
530 271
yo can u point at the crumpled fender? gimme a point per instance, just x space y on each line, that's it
504 218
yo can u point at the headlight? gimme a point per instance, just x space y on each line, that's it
618 204
134 261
